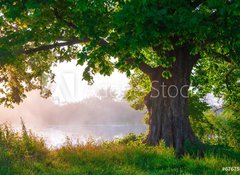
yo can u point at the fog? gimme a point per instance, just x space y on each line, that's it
76 109
93 110
103 117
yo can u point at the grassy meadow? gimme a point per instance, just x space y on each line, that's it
22 153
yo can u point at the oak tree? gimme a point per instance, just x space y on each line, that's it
164 39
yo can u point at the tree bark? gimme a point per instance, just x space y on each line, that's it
167 104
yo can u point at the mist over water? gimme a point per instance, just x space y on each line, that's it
76 109
99 118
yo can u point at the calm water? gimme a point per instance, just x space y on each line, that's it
55 135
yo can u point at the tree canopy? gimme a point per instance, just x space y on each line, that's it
122 34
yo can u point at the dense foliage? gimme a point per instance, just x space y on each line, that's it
119 34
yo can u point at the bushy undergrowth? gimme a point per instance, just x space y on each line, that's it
21 153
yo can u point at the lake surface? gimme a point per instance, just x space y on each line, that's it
100 119
56 135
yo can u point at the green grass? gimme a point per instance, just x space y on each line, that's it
24 154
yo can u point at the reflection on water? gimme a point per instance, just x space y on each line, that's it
98 118
55 135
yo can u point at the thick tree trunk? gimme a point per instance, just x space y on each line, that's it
167 104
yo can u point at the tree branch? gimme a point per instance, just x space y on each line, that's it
225 57
59 17
73 26
70 42
52 46
144 67
194 59
227 77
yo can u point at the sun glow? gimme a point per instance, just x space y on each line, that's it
70 88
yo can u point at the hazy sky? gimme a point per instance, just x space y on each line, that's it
70 87
73 100
76 109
